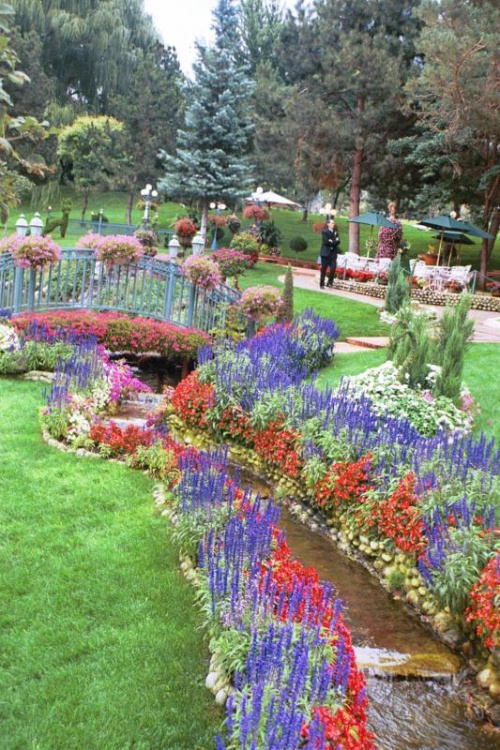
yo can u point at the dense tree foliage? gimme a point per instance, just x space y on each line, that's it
211 162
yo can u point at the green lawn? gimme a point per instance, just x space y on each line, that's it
99 640
482 364
289 222
353 318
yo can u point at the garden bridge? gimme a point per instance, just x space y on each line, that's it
151 288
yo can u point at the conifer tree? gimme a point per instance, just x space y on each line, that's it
397 287
212 159
454 333
287 296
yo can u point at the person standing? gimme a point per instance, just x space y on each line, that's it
390 237
330 241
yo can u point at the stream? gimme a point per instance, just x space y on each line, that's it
411 676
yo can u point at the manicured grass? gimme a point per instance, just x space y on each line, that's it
482 364
353 318
98 631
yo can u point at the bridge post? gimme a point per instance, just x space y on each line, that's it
169 292
18 289
31 290
191 306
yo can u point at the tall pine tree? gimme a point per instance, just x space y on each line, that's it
212 160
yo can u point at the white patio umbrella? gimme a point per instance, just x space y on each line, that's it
273 199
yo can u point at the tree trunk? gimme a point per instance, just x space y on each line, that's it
487 247
85 205
305 213
204 218
355 191
130 203
354 196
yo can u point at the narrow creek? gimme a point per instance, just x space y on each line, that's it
410 675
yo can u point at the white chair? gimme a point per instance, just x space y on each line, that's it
461 274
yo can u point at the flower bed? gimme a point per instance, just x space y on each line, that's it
420 508
282 660
118 332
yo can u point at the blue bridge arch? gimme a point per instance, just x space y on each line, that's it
151 288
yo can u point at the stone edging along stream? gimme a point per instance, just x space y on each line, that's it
375 558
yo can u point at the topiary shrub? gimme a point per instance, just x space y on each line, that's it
270 234
298 244
287 297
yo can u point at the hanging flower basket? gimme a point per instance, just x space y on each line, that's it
201 271
185 230
35 252
118 250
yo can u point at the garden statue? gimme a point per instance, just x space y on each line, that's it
62 223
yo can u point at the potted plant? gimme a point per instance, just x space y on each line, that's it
185 230
35 252
430 257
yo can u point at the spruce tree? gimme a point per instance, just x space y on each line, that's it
212 159
397 287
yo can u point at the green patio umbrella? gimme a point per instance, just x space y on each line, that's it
372 219
442 222
466 226
454 238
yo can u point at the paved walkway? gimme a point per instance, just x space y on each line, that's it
487 324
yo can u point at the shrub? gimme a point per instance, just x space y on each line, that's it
8 338
298 244
270 234
202 271
246 243
35 252
410 347
118 250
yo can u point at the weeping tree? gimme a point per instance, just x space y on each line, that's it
89 46
212 159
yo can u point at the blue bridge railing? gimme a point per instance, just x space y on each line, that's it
150 288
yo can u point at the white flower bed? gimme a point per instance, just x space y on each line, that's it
391 397
8 338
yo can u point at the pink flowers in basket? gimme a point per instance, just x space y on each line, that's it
260 302
118 250
34 252
201 271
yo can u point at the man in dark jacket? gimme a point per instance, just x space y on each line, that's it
330 242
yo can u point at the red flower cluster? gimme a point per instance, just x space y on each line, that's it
399 517
185 227
277 446
344 484
236 425
484 612
191 400
121 441
345 728
256 213
350 273
118 332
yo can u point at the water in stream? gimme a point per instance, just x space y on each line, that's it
415 711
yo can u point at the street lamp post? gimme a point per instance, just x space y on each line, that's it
327 211
218 208
148 194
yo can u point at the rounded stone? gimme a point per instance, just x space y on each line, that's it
221 697
494 689
485 678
